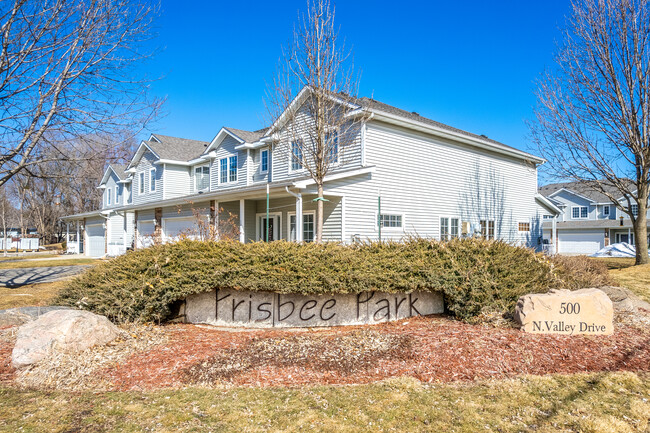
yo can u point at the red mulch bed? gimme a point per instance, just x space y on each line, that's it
440 350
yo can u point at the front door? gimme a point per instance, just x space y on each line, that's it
274 228
270 228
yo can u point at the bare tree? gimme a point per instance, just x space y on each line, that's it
316 75
593 114
68 70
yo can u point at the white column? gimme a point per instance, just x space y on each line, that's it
343 237
555 242
629 236
299 220
67 237
242 218
216 218
78 244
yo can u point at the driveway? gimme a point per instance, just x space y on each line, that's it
23 276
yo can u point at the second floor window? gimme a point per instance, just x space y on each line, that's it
117 194
635 210
152 180
332 140
232 172
108 196
296 156
202 178
606 211
264 161
223 170
141 186
580 212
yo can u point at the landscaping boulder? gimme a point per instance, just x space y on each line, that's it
61 330
584 311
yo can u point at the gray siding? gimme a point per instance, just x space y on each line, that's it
111 184
145 164
424 178
572 200
226 150
177 181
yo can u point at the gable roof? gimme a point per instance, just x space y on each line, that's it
247 136
118 169
583 189
175 148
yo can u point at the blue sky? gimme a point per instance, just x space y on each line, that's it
470 64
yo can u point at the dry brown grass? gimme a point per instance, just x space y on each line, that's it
46 263
29 295
624 273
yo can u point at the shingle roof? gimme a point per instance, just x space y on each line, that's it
177 149
585 189
247 136
380 106
119 170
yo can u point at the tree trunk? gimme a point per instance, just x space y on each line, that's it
641 232
319 215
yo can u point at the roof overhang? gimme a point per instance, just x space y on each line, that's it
548 204
142 148
573 193
301 184
223 133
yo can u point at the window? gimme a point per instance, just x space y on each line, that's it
606 211
152 180
223 170
524 227
117 194
548 217
141 186
108 196
232 172
487 229
579 212
390 221
296 156
264 161
635 210
307 227
449 228
202 178
332 142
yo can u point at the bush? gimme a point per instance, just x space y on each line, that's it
473 274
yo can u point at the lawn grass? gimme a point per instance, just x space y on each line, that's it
605 402
29 295
13 256
625 274
47 263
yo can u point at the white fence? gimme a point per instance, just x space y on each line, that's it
20 243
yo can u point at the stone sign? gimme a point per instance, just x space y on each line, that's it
265 309
585 311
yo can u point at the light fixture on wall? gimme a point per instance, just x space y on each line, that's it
621 219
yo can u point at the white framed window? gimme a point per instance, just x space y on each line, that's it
391 221
579 212
487 229
223 170
635 209
523 226
332 140
141 183
449 228
202 178
117 194
109 192
232 170
264 161
152 180
606 211
308 226
296 156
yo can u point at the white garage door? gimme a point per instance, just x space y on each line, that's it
96 242
580 243
173 227
146 230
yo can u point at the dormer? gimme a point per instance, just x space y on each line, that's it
114 184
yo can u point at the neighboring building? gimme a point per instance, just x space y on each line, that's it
589 220
434 181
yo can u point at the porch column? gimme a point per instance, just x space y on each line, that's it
555 242
629 236
67 236
299 219
78 244
216 220
242 218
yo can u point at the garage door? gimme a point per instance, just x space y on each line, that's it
580 243
96 242
146 230
174 227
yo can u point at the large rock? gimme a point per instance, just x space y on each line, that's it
585 311
61 330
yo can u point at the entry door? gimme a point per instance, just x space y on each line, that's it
274 228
